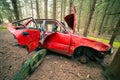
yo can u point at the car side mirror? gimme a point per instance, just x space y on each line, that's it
25 33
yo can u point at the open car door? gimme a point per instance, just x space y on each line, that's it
71 20
26 37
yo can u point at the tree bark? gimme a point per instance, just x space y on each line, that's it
79 14
1 18
64 8
92 8
32 8
94 24
54 9
70 8
20 11
15 7
46 11
113 71
37 9
61 17
46 8
117 28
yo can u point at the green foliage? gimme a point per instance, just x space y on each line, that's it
6 10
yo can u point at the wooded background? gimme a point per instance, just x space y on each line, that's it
94 17
99 18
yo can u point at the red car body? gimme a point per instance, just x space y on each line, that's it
63 42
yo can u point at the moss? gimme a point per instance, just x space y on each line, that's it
2 28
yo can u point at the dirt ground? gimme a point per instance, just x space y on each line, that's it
54 67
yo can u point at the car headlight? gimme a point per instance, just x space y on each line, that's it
110 51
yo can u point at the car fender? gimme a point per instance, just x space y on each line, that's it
83 41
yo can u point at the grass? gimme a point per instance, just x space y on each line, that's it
2 28
115 44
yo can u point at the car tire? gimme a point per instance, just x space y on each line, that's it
83 59
80 55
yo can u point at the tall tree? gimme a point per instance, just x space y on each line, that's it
15 7
113 71
1 19
94 22
115 32
46 8
37 9
54 9
19 8
79 14
64 7
32 7
70 8
92 8
61 10
103 18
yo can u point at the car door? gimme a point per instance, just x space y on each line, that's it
27 37
60 43
58 40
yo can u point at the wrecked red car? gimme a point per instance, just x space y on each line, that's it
58 37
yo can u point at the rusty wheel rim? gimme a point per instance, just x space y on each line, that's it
83 59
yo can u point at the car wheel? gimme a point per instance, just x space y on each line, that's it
80 55
83 59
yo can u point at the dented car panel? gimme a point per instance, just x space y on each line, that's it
78 41
27 37
57 42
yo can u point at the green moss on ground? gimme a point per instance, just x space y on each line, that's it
2 28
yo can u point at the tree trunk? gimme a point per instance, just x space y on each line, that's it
70 8
27 11
64 8
54 9
61 17
103 18
37 9
20 11
92 8
94 23
1 18
79 14
46 11
46 8
113 71
32 8
15 7
117 28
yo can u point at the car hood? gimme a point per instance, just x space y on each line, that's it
97 45
71 20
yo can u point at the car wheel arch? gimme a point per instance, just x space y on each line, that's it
86 48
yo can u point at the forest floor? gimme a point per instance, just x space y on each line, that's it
54 66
